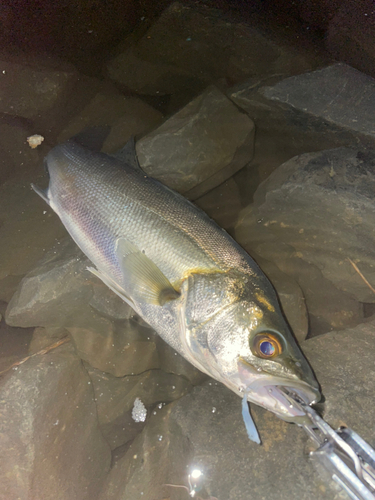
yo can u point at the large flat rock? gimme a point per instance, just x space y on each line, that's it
335 188
204 430
50 441
199 147
338 94
193 45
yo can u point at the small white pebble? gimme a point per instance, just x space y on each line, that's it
35 140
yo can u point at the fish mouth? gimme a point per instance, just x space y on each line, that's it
283 396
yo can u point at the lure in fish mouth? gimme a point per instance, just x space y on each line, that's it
185 276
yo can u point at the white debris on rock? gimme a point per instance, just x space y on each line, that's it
35 140
139 411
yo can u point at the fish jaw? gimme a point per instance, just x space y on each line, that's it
269 391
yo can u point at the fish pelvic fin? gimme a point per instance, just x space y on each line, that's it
142 277
43 193
111 284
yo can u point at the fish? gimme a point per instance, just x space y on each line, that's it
183 274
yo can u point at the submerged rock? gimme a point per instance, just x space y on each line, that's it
28 229
338 94
192 45
50 442
204 430
123 348
200 146
127 116
115 397
321 204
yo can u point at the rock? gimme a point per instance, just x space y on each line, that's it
55 293
350 35
291 297
59 293
233 467
45 337
222 204
200 146
28 229
335 188
28 90
120 349
16 155
337 94
115 400
14 345
50 441
173 363
191 46
108 304
284 131
127 116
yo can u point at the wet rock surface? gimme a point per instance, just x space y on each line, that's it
335 188
50 441
28 228
345 96
125 115
235 468
200 146
191 47
115 397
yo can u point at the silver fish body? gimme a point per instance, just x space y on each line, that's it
183 274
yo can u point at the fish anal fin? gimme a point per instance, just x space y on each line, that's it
142 277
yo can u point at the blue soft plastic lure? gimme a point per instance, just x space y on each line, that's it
249 422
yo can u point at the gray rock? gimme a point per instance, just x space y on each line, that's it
191 46
222 204
123 348
291 297
328 307
16 156
115 400
127 116
55 292
45 337
174 363
29 91
338 94
200 146
50 441
108 304
28 230
335 188
234 468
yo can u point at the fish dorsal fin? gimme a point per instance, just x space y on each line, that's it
43 193
128 155
142 278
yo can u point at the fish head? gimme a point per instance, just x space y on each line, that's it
249 347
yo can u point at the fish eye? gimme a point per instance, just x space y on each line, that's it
266 346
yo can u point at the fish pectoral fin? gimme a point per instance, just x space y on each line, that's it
142 277
43 193
111 284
